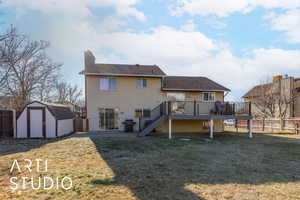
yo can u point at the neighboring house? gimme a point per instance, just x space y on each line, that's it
145 94
78 110
286 86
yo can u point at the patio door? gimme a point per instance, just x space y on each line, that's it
108 119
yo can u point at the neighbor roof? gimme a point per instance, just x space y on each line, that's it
257 90
191 83
59 111
124 70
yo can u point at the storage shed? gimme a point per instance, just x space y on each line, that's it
44 120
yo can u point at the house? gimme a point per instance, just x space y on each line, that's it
44 120
145 94
286 87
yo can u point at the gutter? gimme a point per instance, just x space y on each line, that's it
123 75
195 90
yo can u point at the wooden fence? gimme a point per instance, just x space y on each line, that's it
81 125
7 123
271 125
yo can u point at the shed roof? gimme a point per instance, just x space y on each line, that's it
191 83
59 111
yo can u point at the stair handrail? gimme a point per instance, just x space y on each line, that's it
161 109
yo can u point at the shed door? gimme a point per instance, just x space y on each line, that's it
36 123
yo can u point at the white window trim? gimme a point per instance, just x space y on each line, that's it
141 81
213 94
108 85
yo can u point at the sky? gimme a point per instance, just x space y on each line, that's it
236 43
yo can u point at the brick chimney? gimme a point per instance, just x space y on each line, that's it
89 59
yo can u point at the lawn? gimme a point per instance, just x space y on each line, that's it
122 166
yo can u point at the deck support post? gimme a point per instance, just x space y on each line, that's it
170 128
211 132
250 128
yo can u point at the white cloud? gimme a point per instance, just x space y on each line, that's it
190 26
77 8
289 22
180 52
225 8
163 44
206 7
215 23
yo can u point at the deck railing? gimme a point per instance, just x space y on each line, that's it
195 108
208 108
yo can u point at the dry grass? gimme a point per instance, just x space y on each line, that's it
117 167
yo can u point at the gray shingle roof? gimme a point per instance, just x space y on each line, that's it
59 111
191 83
119 69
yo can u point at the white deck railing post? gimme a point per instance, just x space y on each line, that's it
170 128
211 132
250 128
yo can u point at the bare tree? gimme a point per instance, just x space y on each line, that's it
263 99
271 100
67 93
4 67
25 68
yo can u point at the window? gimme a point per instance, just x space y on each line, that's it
138 113
208 96
142 113
141 83
175 96
108 84
146 113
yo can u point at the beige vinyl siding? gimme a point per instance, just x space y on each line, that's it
127 98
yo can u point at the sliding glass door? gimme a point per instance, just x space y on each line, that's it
108 119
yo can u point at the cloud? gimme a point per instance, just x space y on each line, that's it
77 8
180 52
162 44
177 51
289 23
215 23
223 9
189 26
